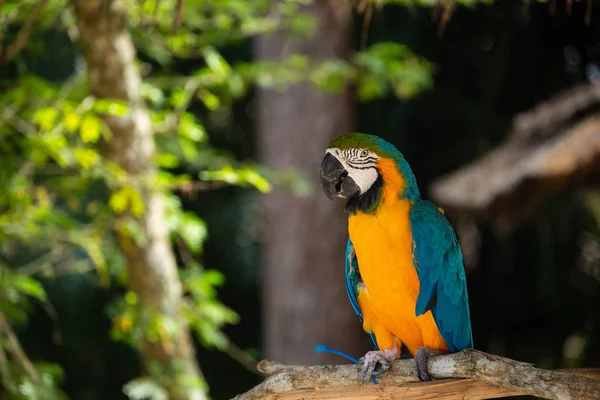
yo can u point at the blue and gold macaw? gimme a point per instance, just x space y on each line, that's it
404 268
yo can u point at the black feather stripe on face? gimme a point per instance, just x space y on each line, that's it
368 201
365 160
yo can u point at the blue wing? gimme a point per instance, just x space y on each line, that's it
352 281
439 263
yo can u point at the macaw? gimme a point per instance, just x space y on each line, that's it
404 268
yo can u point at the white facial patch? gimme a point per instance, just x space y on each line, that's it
360 165
364 178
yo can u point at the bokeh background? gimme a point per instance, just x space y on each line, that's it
243 97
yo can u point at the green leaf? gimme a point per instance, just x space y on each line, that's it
243 176
211 101
188 148
28 286
153 94
119 200
92 245
167 160
71 121
91 128
193 231
213 277
132 229
137 203
178 98
86 158
190 128
331 76
46 118
215 62
131 298
115 108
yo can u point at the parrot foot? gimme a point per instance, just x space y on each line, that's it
373 358
421 356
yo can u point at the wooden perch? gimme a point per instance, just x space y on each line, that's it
551 146
484 376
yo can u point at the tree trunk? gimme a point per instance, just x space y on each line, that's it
304 299
152 271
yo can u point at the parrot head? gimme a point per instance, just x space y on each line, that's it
357 165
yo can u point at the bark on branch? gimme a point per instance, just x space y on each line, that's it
484 376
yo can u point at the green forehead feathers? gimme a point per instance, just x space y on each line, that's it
382 148
364 141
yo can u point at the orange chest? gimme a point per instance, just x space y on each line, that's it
383 245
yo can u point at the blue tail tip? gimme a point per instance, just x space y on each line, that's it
321 348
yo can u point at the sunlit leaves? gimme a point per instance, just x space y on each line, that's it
27 286
61 192
193 231
205 313
127 198
331 76
152 94
133 323
113 107
189 227
45 118
16 292
91 128
167 160
381 68
190 128
215 62
92 244
210 101
86 158
242 176
204 23
187 148
18 384
119 200
161 329
71 120
126 320
15 285
144 389
392 65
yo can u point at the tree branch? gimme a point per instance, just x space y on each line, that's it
554 145
16 350
484 376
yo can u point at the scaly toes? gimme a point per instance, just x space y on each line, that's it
421 356
367 372
370 362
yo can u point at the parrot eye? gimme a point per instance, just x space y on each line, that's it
364 153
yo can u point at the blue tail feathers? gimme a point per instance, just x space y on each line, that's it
320 348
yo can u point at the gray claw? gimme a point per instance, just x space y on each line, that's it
384 366
421 356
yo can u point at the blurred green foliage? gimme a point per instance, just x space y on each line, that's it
62 200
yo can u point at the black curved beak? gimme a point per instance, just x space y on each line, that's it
335 180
